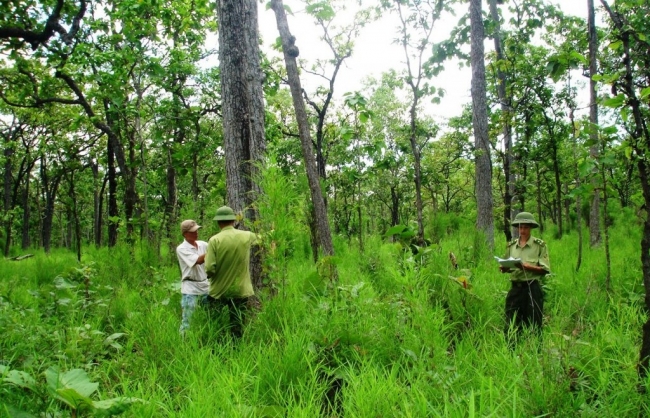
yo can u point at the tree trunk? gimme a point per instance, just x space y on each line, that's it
50 187
290 54
594 150
506 114
243 110
75 215
558 188
8 182
417 167
574 146
538 181
171 204
484 202
26 213
394 207
113 214
98 200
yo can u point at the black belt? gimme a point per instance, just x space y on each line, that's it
523 283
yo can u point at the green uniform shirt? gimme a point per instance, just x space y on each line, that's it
227 262
535 252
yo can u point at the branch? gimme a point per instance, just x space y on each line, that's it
52 26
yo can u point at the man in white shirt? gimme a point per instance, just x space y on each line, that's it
194 280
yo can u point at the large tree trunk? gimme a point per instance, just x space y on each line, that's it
594 150
290 54
243 110
506 114
484 202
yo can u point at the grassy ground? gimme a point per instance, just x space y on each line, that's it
394 337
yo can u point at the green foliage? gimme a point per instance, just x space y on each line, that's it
73 388
388 337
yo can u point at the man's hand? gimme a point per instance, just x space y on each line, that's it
531 267
200 260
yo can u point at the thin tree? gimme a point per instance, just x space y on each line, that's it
594 150
290 53
423 16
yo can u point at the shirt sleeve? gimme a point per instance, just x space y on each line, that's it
211 259
186 257
544 261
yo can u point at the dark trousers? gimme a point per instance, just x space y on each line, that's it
524 308
236 312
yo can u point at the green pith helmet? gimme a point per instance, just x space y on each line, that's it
225 213
526 218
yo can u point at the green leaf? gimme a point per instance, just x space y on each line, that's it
615 102
115 406
13 412
645 92
61 283
72 388
615 45
407 234
397 229
628 153
18 378
113 337
321 10
610 130
363 117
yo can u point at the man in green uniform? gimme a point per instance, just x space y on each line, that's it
227 261
525 300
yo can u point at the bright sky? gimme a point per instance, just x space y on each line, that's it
375 53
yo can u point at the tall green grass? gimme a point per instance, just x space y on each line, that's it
393 337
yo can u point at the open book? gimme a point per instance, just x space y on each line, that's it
509 263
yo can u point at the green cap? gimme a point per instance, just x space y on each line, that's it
525 218
225 213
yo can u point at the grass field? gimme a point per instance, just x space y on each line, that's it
394 337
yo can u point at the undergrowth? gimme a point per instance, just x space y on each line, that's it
396 335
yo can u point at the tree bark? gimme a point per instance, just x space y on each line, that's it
243 111
113 214
484 201
8 182
506 115
26 213
50 188
290 54
594 150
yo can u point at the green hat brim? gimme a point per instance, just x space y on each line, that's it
225 218
532 224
